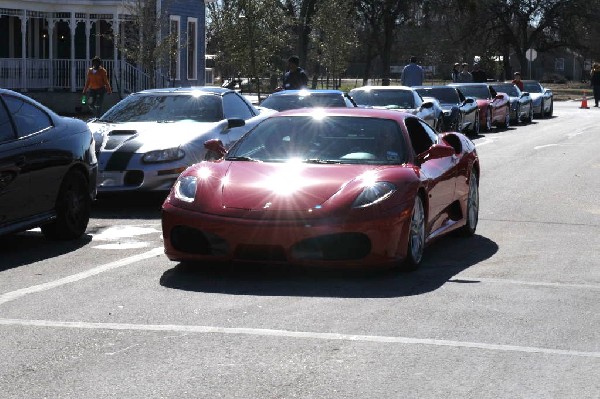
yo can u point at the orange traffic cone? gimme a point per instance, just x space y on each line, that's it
584 102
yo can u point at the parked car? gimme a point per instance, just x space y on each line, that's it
494 107
542 97
521 108
326 187
294 99
47 169
398 98
460 113
147 139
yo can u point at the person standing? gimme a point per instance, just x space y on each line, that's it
517 81
464 76
412 74
595 81
455 72
479 75
294 78
96 85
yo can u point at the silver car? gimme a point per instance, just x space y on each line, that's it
399 98
147 139
542 97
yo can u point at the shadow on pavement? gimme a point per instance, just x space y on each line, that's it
128 205
31 246
443 260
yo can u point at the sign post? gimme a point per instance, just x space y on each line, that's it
531 55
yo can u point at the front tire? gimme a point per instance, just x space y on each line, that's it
73 209
488 120
472 213
416 236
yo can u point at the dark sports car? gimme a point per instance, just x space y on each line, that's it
460 113
294 99
47 169
326 187
494 107
521 106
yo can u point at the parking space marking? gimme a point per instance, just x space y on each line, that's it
294 334
11 296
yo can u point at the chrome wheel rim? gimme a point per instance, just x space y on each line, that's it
417 231
488 121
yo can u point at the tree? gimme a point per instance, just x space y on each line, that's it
145 38
333 37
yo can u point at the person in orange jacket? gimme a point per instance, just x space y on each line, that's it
96 85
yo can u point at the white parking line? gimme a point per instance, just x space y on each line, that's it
11 296
294 334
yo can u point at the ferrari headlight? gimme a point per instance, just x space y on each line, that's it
374 193
185 188
170 154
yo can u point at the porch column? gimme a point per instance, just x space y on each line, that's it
24 51
116 67
73 28
51 26
88 30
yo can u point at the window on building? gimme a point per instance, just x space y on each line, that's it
559 64
192 70
174 54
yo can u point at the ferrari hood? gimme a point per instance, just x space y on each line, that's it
147 136
288 187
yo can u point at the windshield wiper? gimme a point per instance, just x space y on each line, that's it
241 159
317 160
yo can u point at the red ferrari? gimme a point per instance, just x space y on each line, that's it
494 107
326 187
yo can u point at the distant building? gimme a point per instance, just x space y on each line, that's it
47 45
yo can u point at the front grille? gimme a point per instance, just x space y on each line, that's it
193 241
271 253
333 247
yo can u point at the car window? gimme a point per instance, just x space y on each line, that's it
27 117
532 87
285 102
384 98
7 131
333 139
235 107
166 107
511 90
480 92
443 95
421 135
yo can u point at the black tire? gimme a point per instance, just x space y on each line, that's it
549 115
517 119
73 208
416 237
476 128
542 114
488 121
472 213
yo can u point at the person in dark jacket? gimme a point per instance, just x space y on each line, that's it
595 81
479 75
294 78
517 81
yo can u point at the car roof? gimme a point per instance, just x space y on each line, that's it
468 84
305 91
187 90
343 111
434 87
367 88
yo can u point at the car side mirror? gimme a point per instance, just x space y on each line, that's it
427 105
469 101
216 146
436 151
525 94
499 97
235 122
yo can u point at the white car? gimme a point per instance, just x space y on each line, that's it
543 98
398 98
147 139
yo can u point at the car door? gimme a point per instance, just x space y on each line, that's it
38 161
438 174
234 107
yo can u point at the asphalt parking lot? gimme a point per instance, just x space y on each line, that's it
510 313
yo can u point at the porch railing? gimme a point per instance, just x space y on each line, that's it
63 74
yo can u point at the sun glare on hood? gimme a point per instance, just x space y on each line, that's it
286 180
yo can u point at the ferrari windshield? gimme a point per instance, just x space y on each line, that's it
327 140
445 95
165 107
532 87
287 101
510 89
403 99
480 92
